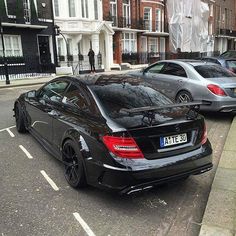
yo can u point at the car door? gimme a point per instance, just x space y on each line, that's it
174 77
41 108
153 76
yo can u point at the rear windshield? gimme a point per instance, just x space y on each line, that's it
117 96
231 64
213 71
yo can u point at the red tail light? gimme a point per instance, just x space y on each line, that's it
216 90
123 147
204 135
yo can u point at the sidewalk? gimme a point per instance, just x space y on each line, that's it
220 214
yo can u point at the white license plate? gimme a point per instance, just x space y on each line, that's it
173 140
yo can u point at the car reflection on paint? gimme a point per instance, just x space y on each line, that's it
115 132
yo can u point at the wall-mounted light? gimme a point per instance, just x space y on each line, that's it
43 4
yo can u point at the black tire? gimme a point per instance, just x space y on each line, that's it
74 169
19 117
183 96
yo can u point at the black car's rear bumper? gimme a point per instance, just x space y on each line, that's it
127 180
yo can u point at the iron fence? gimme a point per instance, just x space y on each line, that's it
150 57
25 66
80 63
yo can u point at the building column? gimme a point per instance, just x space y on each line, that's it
118 48
109 51
95 43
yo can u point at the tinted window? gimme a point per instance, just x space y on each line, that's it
228 54
74 97
117 96
231 65
211 60
174 69
53 91
157 68
213 71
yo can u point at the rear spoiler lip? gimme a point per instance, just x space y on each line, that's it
156 108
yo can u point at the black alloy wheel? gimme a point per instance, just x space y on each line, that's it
184 96
74 170
20 123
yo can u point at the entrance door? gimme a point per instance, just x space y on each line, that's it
44 53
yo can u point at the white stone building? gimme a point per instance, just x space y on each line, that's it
81 23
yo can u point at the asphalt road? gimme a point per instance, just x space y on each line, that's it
31 206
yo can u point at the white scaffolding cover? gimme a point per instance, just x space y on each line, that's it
188 25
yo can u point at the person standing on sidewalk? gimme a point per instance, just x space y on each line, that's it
91 55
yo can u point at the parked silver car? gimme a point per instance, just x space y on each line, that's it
188 80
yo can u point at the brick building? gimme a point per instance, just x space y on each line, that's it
139 29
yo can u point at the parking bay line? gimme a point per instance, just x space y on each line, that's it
1 130
83 224
9 131
26 152
50 181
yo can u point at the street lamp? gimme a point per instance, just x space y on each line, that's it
58 32
4 55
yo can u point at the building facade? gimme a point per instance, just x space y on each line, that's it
82 27
224 25
139 29
28 36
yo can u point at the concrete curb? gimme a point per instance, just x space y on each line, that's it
220 214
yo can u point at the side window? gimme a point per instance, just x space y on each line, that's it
156 68
53 91
174 69
74 97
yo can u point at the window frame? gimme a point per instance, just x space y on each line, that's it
71 8
12 49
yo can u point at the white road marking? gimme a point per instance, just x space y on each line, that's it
1 130
83 224
50 181
9 131
26 152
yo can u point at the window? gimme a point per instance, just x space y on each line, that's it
157 68
153 45
71 5
12 46
96 9
211 9
56 8
84 7
158 20
26 8
60 47
147 17
70 50
113 11
114 97
74 97
126 13
53 91
174 69
213 71
129 42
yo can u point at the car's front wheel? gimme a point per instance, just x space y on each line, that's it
184 96
19 117
74 169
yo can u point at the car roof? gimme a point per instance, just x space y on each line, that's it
192 62
102 79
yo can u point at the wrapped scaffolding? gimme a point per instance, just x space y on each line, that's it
188 25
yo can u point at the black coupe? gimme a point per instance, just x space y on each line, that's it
115 131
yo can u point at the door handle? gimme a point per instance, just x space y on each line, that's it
180 81
54 113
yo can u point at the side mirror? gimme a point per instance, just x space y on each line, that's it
31 94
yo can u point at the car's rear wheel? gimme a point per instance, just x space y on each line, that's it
184 96
19 117
74 169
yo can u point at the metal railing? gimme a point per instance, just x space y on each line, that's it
150 57
27 66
